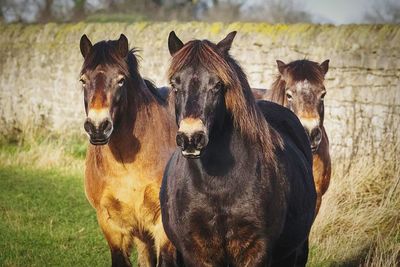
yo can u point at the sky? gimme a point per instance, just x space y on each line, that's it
338 11
322 11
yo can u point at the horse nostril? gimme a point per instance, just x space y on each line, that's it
316 136
105 126
88 126
199 140
181 140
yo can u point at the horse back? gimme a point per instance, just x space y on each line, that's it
285 122
296 164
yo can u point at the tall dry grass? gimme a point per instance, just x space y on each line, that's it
41 149
359 221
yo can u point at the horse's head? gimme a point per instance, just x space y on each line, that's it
104 78
198 88
304 94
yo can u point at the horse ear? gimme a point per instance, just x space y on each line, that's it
174 43
123 47
281 66
85 45
325 66
225 44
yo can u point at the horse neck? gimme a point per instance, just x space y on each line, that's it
224 136
143 113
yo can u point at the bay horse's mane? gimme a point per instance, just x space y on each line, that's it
106 53
296 71
239 100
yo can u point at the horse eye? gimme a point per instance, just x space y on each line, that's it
218 86
83 82
289 96
121 82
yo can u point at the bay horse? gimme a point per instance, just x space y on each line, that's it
300 87
238 190
131 133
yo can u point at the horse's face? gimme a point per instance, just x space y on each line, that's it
104 87
199 102
306 100
198 94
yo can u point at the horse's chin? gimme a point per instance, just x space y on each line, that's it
99 142
193 154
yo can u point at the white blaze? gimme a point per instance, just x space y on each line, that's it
189 126
97 116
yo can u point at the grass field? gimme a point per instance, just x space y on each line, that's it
45 217
46 220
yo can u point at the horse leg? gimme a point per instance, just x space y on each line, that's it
119 241
169 257
166 252
288 261
302 254
145 252
318 203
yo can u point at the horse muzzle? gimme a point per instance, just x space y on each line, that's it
315 139
192 137
99 134
191 145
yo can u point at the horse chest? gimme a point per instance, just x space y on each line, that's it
125 199
223 222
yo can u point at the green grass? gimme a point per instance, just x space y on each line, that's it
46 221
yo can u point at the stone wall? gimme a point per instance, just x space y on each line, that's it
40 64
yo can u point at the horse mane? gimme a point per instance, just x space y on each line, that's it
158 93
239 100
298 70
106 53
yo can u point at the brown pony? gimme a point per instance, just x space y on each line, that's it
132 135
300 87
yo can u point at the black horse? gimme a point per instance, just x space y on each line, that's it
239 189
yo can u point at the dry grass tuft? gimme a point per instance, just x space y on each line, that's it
45 151
359 221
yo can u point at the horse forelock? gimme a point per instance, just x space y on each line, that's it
105 54
239 99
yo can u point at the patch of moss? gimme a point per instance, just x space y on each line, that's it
215 28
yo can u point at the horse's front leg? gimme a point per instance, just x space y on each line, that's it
169 256
119 241
166 252
146 253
